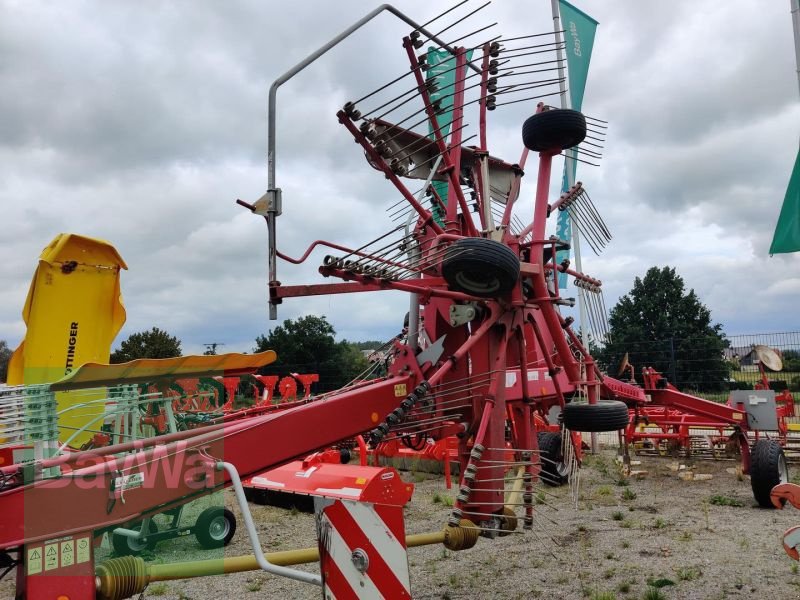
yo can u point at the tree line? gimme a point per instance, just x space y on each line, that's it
658 323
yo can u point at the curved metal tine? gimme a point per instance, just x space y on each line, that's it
506 49
580 160
533 35
557 47
391 244
533 64
526 85
415 89
461 20
402 200
587 152
385 235
422 266
386 251
597 121
440 15
605 315
472 33
597 214
593 144
395 126
531 72
433 20
441 97
599 130
448 150
587 229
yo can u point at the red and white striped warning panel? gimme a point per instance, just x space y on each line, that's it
362 550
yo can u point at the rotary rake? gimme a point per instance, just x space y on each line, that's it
487 355
485 344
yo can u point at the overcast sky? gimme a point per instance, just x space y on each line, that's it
142 122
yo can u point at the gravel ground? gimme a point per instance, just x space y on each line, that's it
623 536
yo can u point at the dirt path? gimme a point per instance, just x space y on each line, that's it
698 539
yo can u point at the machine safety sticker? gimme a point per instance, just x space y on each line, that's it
34 560
129 482
68 553
84 550
50 557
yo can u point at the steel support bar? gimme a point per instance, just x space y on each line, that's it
173 472
272 111
238 564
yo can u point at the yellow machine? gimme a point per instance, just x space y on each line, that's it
73 312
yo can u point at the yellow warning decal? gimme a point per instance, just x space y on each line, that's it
68 553
361 481
400 390
34 560
738 416
50 557
84 550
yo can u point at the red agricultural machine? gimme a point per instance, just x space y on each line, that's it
488 357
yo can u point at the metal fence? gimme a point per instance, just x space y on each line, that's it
701 365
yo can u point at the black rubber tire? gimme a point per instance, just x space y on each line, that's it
554 130
125 546
215 527
552 458
767 469
606 415
480 267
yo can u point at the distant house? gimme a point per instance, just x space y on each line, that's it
372 354
744 356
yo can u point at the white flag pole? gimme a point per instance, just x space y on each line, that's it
576 245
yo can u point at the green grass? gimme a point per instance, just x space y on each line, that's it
597 595
688 573
617 516
160 589
652 593
659 523
628 494
442 499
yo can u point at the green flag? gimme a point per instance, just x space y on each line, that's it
579 29
787 231
443 69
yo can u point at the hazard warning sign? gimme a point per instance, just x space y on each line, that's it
34 560
50 557
67 553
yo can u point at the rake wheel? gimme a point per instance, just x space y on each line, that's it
480 267
767 469
555 130
606 415
125 546
215 527
552 458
